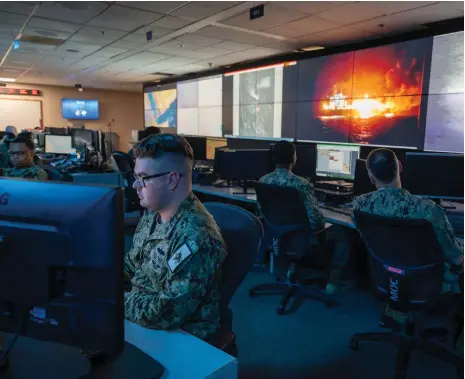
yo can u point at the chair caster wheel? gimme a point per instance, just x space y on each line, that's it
280 311
252 293
354 345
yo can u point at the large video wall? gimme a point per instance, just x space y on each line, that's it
408 94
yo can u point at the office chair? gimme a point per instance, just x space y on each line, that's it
407 270
242 233
56 175
287 232
125 166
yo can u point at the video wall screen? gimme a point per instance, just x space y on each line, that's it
160 108
200 107
372 96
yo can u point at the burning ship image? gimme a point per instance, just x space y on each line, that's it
371 96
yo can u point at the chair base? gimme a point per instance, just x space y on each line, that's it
406 345
289 290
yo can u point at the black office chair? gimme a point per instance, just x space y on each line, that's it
125 166
242 233
56 175
287 232
407 271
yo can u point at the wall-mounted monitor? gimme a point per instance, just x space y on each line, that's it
160 108
75 109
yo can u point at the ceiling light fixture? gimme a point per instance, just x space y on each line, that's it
282 64
79 87
312 48
8 80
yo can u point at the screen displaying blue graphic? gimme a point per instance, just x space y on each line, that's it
80 109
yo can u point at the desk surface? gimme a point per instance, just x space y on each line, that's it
228 193
181 354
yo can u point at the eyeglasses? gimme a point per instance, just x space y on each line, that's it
140 180
18 153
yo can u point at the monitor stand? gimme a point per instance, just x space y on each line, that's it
244 190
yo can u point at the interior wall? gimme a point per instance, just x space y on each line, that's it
125 107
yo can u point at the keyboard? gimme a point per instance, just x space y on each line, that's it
345 209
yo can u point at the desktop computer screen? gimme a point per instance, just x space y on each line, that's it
58 144
212 144
199 146
336 161
81 137
306 162
61 273
434 175
245 164
56 131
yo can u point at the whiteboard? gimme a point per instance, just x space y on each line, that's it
23 114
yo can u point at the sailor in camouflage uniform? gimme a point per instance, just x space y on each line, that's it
392 201
5 145
174 263
21 153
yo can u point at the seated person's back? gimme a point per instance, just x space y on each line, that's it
285 157
21 154
391 200
174 263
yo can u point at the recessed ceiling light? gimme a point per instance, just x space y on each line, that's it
312 48
8 80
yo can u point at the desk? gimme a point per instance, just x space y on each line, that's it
227 193
182 355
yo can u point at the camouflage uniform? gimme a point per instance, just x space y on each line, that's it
34 172
284 177
4 158
397 202
174 271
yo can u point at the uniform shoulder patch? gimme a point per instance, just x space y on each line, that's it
179 256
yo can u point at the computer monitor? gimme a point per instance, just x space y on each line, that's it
244 165
58 144
212 145
199 146
80 138
61 273
336 161
56 131
362 182
306 161
434 175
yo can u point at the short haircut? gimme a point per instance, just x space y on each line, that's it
156 146
283 152
23 139
26 134
382 163
151 130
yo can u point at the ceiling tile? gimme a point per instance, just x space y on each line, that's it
85 48
12 19
235 35
178 45
189 68
109 52
232 46
54 63
198 10
154 6
312 24
128 45
43 23
78 12
16 7
198 39
42 32
96 36
230 58
87 63
171 22
275 14
365 10
147 57
157 31
431 13
334 37
391 25
122 18
284 31
313 7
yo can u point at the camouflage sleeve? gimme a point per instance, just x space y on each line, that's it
41 175
182 291
316 219
453 251
129 268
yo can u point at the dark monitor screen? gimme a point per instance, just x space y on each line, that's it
61 273
81 138
199 146
362 182
245 164
434 175
306 161
56 131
